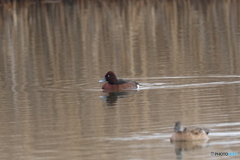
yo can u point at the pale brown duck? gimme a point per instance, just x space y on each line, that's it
189 134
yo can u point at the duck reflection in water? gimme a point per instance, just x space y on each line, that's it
181 146
187 139
112 97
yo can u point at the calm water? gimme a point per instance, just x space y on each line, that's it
185 54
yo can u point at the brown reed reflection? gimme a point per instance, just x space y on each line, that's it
137 34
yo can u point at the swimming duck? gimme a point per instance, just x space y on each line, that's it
189 134
117 84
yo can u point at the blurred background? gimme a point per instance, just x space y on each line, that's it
185 54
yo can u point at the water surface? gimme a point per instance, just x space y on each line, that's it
184 54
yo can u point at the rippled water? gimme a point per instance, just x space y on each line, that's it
184 54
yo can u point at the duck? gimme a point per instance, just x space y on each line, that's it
189 134
117 84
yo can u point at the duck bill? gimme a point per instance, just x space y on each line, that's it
102 80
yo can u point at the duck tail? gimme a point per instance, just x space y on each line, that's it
177 127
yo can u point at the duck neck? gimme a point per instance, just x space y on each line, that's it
177 127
